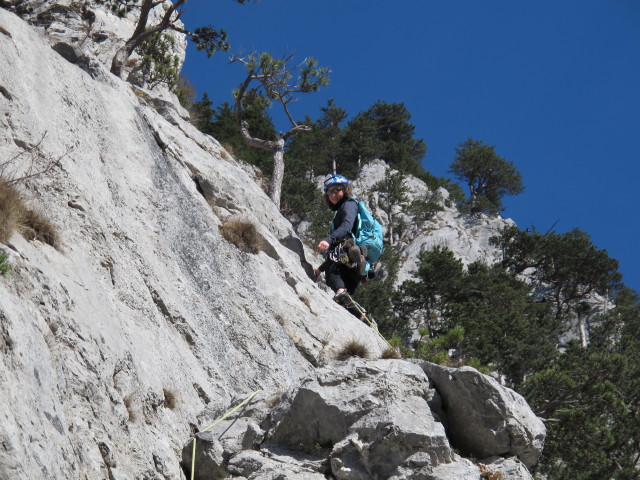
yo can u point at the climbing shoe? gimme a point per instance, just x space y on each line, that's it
344 299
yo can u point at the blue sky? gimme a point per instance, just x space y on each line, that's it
553 85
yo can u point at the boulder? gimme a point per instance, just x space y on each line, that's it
372 415
485 418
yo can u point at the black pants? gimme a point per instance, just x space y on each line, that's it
339 276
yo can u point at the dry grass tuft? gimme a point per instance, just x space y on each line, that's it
227 153
12 210
170 400
486 473
243 235
353 348
36 227
390 354
15 216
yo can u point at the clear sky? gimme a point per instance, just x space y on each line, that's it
554 85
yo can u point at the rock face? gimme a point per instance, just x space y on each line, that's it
147 323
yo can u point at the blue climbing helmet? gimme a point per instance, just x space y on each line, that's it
334 179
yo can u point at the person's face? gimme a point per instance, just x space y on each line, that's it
335 194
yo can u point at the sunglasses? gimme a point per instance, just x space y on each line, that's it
333 191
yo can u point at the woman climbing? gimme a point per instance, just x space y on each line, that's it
345 265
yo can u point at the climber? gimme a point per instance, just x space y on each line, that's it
345 265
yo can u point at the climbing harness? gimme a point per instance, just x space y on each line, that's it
339 254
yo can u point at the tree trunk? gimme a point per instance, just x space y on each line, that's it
119 59
584 334
141 33
275 186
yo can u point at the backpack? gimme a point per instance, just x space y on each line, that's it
368 232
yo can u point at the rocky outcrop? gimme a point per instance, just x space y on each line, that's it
86 33
484 418
147 323
465 235
360 419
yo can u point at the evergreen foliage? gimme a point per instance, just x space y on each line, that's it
424 208
421 299
504 326
206 38
567 265
220 123
383 131
378 296
158 65
589 398
488 176
589 394
392 196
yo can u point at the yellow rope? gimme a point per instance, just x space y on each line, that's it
366 317
193 455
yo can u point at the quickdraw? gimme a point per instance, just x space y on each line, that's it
339 254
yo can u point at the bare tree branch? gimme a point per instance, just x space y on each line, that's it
35 153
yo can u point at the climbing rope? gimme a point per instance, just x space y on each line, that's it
193 455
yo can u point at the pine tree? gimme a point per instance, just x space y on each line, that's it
589 398
488 176
277 81
383 131
205 38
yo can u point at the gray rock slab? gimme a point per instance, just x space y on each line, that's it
485 418
386 437
323 408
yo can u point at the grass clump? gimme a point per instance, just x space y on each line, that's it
35 226
12 209
353 348
16 216
170 400
391 354
243 235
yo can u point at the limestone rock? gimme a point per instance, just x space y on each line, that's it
510 468
484 418
280 464
325 406
146 322
145 296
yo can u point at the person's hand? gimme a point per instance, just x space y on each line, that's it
317 272
322 246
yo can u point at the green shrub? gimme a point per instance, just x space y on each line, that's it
158 64
243 235
5 266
